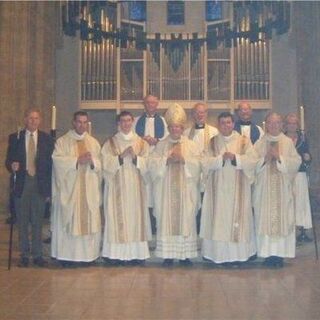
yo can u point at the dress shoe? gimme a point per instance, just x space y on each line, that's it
167 263
185 263
113 262
136 262
47 240
40 262
273 262
23 263
303 238
253 257
11 220
66 264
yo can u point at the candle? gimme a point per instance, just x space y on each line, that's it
302 118
89 127
264 126
53 118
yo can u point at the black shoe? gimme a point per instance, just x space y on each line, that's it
167 263
185 263
66 264
11 220
113 262
40 262
231 265
136 262
23 263
303 238
253 258
273 262
47 241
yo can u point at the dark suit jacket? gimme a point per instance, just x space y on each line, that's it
17 152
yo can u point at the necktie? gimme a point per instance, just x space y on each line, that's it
31 156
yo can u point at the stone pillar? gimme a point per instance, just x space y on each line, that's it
27 64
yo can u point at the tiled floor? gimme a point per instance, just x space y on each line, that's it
152 292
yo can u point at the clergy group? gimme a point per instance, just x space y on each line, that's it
241 190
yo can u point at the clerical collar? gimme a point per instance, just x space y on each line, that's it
199 126
245 123
150 116
127 136
229 137
174 140
77 136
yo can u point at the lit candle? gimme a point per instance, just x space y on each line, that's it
53 118
89 127
232 109
264 126
302 118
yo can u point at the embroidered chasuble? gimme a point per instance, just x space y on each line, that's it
76 199
176 187
227 209
125 200
177 182
273 197
84 228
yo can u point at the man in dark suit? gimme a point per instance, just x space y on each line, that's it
29 161
244 124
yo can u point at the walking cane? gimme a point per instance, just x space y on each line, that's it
314 233
11 228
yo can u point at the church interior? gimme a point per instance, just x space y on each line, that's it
104 57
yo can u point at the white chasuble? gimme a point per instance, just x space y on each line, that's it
127 224
273 197
76 199
227 218
176 191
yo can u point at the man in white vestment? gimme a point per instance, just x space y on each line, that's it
175 170
244 124
273 200
151 127
301 189
76 199
201 133
227 220
127 224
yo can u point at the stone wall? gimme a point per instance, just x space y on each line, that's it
306 36
27 64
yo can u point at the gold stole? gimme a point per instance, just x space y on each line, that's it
274 183
176 184
237 233
118 213
84 208
238 223
206 136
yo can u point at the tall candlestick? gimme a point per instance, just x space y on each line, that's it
302 118
89 127
53 118
264 126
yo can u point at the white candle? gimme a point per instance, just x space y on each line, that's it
89 127
264 126
53 118
302 118
232 109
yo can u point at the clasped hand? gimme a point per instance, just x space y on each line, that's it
228 156
85 158
128 152
175 157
